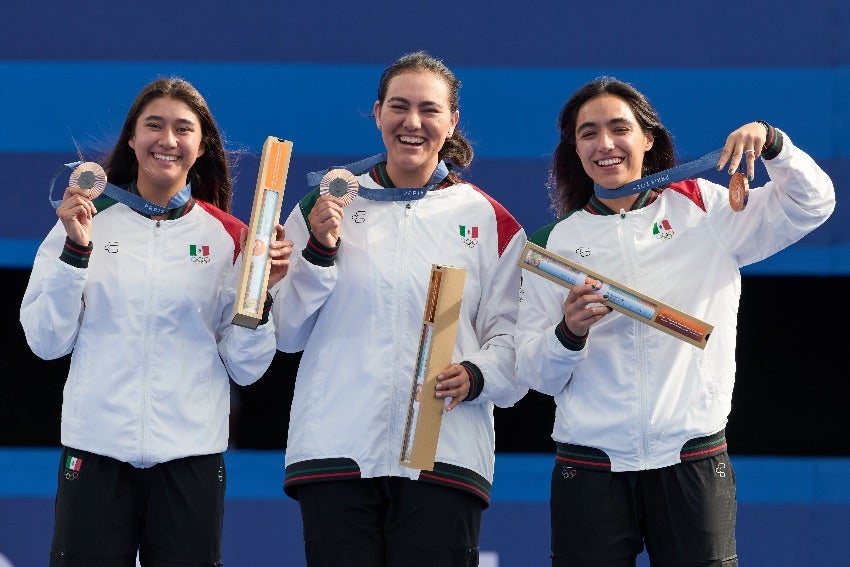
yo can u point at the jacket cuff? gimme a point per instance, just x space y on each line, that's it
317 253
476 380
75 254
773 143
267 308
568 339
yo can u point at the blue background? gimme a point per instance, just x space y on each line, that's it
308 72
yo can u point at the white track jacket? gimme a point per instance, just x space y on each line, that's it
358 322
148 323
635 392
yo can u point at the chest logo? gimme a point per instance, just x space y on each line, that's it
662 230
468 235
199 253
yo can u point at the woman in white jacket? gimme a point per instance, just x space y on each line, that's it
641 413
140 288
354 302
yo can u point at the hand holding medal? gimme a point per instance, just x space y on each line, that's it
739 186
76 209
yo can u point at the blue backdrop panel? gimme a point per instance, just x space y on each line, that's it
65 118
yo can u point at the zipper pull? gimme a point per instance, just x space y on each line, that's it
622 213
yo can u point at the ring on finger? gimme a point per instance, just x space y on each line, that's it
750 152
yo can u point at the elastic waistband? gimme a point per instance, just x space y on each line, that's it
581 457
704 447
325 470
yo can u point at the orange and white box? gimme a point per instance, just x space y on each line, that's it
265 214
621 298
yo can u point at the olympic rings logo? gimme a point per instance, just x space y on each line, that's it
71 474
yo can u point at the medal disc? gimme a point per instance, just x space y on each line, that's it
339 183
739 189
89 176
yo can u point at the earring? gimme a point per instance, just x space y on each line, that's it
451 133
379 126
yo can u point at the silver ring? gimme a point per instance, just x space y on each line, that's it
749 151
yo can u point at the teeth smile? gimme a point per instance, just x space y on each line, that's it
611 161
411 140
164 157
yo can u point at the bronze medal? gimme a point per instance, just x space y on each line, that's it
89 176
340 183
739 189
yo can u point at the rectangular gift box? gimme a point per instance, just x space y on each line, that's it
265 214
436 345
624 299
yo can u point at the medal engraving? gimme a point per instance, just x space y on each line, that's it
89 176
739 189
339 183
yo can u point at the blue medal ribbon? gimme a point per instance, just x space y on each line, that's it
132 200
665 177
314 178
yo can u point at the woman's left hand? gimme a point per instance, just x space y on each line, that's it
280 251
453 382
743 145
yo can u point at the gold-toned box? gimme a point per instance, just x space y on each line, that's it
624 299
436 345
265 214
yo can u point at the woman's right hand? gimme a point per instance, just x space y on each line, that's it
583 307
325 219
76 212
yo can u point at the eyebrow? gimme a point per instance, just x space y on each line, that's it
613 121
161 119
422 103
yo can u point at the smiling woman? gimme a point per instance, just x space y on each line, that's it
361 283
642 416
143 280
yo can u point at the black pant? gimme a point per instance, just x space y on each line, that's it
685 514
107 510
389 522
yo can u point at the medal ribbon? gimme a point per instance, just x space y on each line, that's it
132 200
314 178
665 177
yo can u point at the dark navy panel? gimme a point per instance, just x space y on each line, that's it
498 33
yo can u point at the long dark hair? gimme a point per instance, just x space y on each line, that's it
209 175
456 148
570 187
